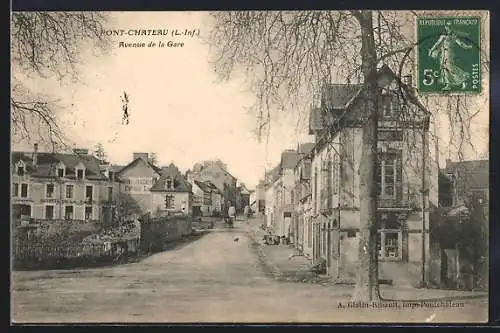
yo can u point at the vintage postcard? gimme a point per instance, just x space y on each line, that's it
250 167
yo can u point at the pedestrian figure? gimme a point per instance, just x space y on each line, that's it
231 214
246 212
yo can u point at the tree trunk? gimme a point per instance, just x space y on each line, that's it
367 288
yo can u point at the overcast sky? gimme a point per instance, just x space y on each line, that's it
177 110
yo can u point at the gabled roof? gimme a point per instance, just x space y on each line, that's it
172 172
47 162
338 98
473 173
134 162
289 159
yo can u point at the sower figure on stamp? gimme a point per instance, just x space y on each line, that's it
451 74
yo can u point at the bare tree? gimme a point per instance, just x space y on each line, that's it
99 152
47 45
288 57
153 158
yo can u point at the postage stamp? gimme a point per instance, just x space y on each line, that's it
449 54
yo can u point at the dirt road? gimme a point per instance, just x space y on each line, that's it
214 279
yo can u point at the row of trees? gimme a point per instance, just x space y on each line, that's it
287 56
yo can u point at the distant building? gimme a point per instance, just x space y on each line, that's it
460 179
171 193
50 186
156 189
207 199
217 175
302 201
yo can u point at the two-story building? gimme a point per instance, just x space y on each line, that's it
271 182
404 176
207 198
171 193
155 189
301 199
282 189
220 177
56 186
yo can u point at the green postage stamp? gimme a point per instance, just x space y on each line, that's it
449 54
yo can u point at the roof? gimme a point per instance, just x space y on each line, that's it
336 97
289 159
47 162
154 167
473 173
171 171
305 148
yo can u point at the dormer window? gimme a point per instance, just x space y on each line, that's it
20 168
61 170
80 171
111 176
169 184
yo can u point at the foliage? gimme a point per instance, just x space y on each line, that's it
47 45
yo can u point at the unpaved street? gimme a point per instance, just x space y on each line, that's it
213 279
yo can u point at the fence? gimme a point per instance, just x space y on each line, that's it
158 232
29 251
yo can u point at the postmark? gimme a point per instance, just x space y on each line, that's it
449 54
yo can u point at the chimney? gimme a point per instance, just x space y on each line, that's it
144 156
35 154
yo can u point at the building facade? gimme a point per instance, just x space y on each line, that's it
207 199
404 176
53 186
301 198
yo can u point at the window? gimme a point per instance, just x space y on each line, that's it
169 201
88 193
88 212
389 238
15 189
309 234
111 175
351 233
49 212
20 170
24 190
169 184
392 135
207 198
315 191
390 106
79 174
110 194
60 172
69 191
49 191
389 175
68 212
335 173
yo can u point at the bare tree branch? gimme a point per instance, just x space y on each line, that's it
48 45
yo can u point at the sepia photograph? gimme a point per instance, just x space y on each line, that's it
319 166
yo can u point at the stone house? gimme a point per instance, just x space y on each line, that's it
171 193
217 175
282 190
271 183
404 172
138 177
207 199
301 198
57 186
155 189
